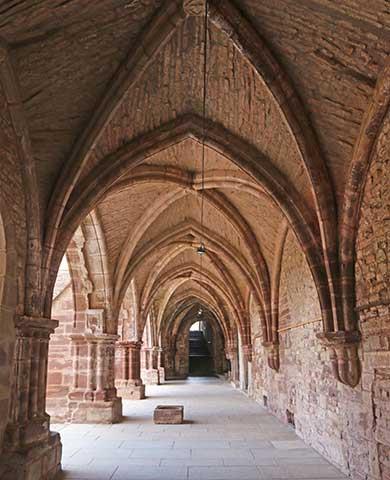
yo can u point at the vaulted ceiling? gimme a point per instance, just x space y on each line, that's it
112 94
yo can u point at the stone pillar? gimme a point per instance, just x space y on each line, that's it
149 372
128 379
93 398
169 362
247 354
161 365
232 356
30 449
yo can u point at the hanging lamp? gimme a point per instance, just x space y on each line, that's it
201 249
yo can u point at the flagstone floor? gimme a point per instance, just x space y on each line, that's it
226 437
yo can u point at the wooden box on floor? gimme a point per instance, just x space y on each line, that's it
168 414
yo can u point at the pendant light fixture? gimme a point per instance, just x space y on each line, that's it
201 250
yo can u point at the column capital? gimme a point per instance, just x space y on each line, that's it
133 345
272 350
106 338
94 337
35 326
344 357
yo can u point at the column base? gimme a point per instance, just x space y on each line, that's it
150 376
131 391
42 461
96 412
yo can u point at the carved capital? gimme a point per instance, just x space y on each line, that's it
35 327
132 345
273 358
194 8
343 348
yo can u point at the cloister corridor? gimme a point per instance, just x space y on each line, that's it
225 436
195 210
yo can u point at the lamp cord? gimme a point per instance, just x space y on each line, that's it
204 119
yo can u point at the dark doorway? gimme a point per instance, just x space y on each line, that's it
201 362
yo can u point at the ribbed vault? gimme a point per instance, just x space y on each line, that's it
135 165
132 132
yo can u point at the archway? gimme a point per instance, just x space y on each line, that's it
200 354
199 345
81 360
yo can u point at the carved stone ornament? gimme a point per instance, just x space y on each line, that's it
273 358
343 348
194 8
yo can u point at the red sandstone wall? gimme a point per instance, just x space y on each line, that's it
351 427
324 410
60 365
373 303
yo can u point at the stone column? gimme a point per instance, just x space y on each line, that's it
247 354
30 449
93 398
149 372
232 356
161 365
169 363
144 358
128 380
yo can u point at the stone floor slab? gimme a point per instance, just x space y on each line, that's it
226 437
225 473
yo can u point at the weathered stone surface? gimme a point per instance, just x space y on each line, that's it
40 462
168 414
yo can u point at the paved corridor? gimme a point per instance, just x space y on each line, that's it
226 436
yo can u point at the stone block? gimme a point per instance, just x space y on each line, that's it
131 392
168 414
96 412
150 376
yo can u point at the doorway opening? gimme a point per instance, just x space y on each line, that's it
201 360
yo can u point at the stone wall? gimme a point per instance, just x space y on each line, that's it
336 420
60 367
373 303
